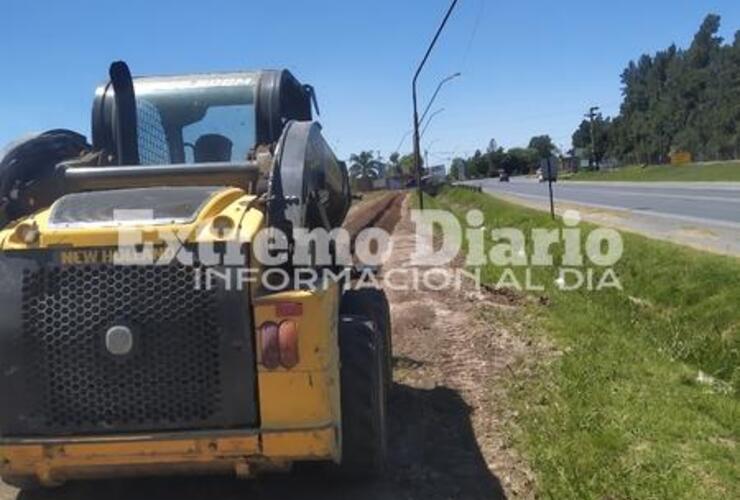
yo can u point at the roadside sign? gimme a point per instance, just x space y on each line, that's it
681 158
549 167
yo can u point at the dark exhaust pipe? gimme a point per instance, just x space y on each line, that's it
126 128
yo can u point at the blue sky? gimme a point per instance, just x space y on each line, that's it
528 67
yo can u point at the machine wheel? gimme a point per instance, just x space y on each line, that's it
25 483
364 431
373 303
33 160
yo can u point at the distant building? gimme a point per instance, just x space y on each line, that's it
380 183
438 171
571 163
609 164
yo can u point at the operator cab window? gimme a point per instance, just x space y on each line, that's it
196 119
220 135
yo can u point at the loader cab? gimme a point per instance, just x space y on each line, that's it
252 130
200 118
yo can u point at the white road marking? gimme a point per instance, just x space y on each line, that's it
688 218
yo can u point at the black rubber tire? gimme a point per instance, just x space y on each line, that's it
364 406
34 159
373 303
24 483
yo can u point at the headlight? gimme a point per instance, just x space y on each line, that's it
28 233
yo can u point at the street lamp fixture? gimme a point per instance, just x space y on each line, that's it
417 152
436 92
426 110
431 117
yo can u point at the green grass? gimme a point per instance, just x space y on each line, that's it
709 172
620 414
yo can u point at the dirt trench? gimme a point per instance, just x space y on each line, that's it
454 353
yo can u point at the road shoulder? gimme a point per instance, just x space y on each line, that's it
719 239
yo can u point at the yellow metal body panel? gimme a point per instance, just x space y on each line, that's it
230 202
150 455
299 408
308 394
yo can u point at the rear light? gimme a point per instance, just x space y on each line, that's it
288 340
279 345
270 348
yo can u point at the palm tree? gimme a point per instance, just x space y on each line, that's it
394 167
364 165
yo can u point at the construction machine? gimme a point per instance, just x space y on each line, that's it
115 367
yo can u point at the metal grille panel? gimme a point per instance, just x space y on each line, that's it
172 378
153 146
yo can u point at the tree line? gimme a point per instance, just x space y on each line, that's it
368 165
675 100
515 161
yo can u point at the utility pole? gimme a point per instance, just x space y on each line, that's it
550 175
417 152
592 116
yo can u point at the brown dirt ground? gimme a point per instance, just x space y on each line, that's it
454 354
380 210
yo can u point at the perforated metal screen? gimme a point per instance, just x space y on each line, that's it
153 146
172 378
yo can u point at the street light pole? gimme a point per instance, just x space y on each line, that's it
427 148
417 153
429 105
592 116
431 117
436 92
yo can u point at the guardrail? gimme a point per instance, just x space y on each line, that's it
477 189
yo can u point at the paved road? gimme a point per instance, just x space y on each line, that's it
704 215
699 203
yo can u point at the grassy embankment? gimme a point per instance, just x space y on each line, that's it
626 411
704 172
